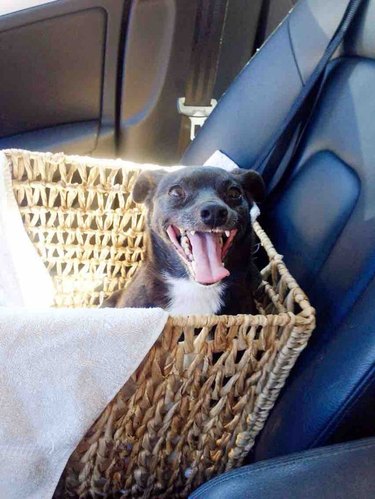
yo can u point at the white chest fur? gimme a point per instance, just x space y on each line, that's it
187 297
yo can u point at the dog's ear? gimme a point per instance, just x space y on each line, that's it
252 182
145 185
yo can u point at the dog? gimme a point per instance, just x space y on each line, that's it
199 242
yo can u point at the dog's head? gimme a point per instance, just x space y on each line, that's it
200 212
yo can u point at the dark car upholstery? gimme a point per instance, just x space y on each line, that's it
323 221
343 471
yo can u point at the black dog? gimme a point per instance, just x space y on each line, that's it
200 242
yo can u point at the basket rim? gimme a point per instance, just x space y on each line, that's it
75 159
282 319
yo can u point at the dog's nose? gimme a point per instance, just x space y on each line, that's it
214 215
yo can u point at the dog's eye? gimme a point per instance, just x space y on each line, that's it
177 192
234 193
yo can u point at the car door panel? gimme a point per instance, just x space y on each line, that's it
70 138
59 75
156 62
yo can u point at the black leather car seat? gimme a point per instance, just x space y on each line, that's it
323 222
343 471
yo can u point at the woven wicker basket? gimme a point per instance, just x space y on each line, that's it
194 407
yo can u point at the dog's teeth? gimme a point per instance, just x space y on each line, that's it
227 233
184 242
192 232
186 247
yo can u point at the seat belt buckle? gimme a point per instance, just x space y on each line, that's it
196 114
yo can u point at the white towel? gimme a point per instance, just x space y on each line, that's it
58 371
24 281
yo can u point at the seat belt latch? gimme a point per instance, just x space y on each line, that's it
196 114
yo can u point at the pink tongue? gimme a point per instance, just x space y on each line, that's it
207 264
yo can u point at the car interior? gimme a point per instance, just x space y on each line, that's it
104 77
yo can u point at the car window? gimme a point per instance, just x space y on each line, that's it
9 6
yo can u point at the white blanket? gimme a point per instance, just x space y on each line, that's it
58 371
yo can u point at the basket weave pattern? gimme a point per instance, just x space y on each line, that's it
194 407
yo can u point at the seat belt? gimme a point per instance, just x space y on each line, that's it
272 156
198 103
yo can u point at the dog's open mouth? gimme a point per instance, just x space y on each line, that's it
203 251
